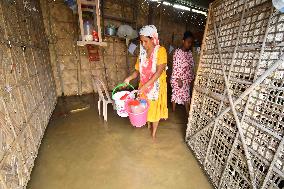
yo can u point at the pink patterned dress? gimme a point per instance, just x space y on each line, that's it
182 69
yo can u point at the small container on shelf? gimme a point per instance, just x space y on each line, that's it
95 36
88 30
110 30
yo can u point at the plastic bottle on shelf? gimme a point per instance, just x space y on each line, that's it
95 36
88 30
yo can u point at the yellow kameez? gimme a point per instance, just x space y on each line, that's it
158 109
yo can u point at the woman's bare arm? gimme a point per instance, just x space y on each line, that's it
134 75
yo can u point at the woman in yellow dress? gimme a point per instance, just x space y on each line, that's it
151 67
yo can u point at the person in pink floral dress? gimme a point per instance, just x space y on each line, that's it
182 73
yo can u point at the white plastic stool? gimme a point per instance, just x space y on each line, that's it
104 96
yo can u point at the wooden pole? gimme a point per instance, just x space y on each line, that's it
160 16
99 20
80 19
199 67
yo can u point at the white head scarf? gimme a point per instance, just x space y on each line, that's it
150 31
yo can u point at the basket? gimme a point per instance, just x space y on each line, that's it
120 104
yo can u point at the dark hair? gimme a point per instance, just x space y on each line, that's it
187 34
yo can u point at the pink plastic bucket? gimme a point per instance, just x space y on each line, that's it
137 120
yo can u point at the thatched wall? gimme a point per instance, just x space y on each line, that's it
71 67
27 90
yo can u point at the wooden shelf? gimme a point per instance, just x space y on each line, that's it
88 10
83 43
89 3
91 6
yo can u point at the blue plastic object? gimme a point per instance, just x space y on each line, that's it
143 103
279 5
72 4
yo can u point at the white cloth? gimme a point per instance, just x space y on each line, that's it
132 48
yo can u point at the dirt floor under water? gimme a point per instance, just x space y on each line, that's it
81 151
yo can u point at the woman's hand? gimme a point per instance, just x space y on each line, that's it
132 76
127 80
180 84
142 89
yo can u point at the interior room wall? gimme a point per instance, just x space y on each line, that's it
71 66
27 89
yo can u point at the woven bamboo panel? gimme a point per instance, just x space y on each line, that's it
27 90
236 122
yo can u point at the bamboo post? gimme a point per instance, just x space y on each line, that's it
99 20
126 51
83 39
79 78
102 16
105 71
160 16
114 57
80 19
199 66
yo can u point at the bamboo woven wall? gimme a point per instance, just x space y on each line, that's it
236 122
71 67
27 90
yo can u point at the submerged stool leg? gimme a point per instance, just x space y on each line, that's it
106 111
99 106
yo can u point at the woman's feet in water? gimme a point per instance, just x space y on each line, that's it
154 129
151 128
149 125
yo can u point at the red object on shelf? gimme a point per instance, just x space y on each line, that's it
93 53
95 36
